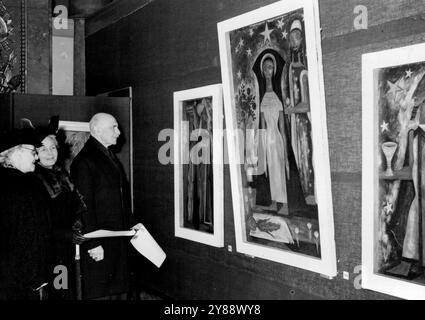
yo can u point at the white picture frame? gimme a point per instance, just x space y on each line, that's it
206 231
383 127
74 126
279 16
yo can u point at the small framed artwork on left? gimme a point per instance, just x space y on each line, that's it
198 165
75 135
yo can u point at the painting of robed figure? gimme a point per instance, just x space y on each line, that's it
273 93
198 189
394 147
198 163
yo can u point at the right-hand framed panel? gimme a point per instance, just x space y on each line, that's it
393 171
277 136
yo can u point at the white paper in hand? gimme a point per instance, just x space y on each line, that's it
148 247
108 234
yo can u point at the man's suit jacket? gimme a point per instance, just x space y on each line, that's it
101 180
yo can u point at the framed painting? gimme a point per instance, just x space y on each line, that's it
277 136
198 165
393 190
13 45
72 136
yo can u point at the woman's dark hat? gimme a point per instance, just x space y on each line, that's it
41 132
15 137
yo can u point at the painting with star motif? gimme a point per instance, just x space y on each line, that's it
394 193
274 106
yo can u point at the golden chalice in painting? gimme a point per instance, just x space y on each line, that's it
389 149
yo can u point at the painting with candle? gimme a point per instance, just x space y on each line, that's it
394 107
274 100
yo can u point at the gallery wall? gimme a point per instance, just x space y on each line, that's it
172 45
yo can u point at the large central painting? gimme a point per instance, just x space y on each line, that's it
275 116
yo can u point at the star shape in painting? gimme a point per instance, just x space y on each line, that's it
394 88
266 33
284 35
249 52
408 73
384 126
251 32
388 207
280 23
239 74
241 42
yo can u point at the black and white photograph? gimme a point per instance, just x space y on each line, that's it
211 158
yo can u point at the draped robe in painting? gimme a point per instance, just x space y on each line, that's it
301 126
200 175
260 181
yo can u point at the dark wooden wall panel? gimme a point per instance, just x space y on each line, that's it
172 45
337 16
79 58
39 47
6 112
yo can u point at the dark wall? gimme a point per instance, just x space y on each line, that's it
172 45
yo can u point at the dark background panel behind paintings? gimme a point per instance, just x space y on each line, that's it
172 45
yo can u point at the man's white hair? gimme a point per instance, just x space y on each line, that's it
98 121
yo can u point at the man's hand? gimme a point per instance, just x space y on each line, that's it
138 227
77 237
96 253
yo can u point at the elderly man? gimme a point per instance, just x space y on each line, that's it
24 220
101 180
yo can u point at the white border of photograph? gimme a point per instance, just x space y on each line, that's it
370 179
326 265
215 239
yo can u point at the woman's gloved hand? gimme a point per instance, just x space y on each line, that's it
73 236
77 236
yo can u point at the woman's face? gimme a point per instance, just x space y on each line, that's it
48 152
23 158
268 68
295 39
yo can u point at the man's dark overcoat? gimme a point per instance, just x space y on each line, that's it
100 178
